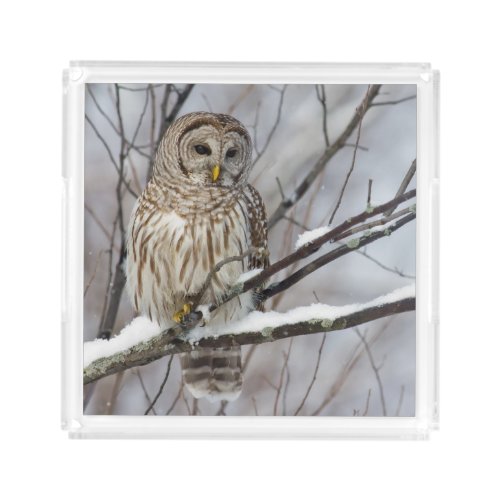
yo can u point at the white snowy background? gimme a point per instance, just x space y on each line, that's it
342 387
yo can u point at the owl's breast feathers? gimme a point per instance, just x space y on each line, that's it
176 240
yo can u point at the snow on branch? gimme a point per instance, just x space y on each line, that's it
141 342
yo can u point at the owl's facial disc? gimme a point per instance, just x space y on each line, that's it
209 156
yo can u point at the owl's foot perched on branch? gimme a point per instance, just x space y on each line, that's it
179 315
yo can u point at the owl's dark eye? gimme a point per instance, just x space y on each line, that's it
231 153
202 150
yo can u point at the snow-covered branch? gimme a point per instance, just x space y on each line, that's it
142 342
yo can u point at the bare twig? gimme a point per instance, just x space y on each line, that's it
216 269
369 197
137 128
362 114
280 187
296 223
98 221
144 390
404 184
188 408
222 408
285 390
160 390
91 279
286 357
367 404
273 128
400 401
320 94
174 402
248 357
140 89
117 384
374 368
386 268
351 361
255 409
390 103
111 157
207 102
318 361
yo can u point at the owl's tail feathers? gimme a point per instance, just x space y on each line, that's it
214 374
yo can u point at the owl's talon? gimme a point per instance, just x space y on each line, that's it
179 315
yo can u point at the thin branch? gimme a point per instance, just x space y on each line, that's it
117 385
160 390
111 157
390 103
255 409
349 365
248 357
369 197
386 268
286 357
247 90
137 128
285 390
296 223
404 184
320 94
174 402
280 187
183 394
351 145
400 401
222 408
375 370
353 162
207 102
273 128
144 390
367 404
87 286
216 269
140 89
98 221
318 361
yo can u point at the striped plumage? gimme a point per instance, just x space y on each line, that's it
187 220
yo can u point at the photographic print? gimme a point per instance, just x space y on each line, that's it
250 249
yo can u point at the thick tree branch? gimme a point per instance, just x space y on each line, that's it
169 343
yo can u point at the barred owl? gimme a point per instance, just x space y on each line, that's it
197 210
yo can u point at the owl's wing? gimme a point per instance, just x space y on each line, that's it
258 235
258 228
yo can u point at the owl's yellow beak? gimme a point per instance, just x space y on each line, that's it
215 172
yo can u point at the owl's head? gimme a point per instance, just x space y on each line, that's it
209 149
